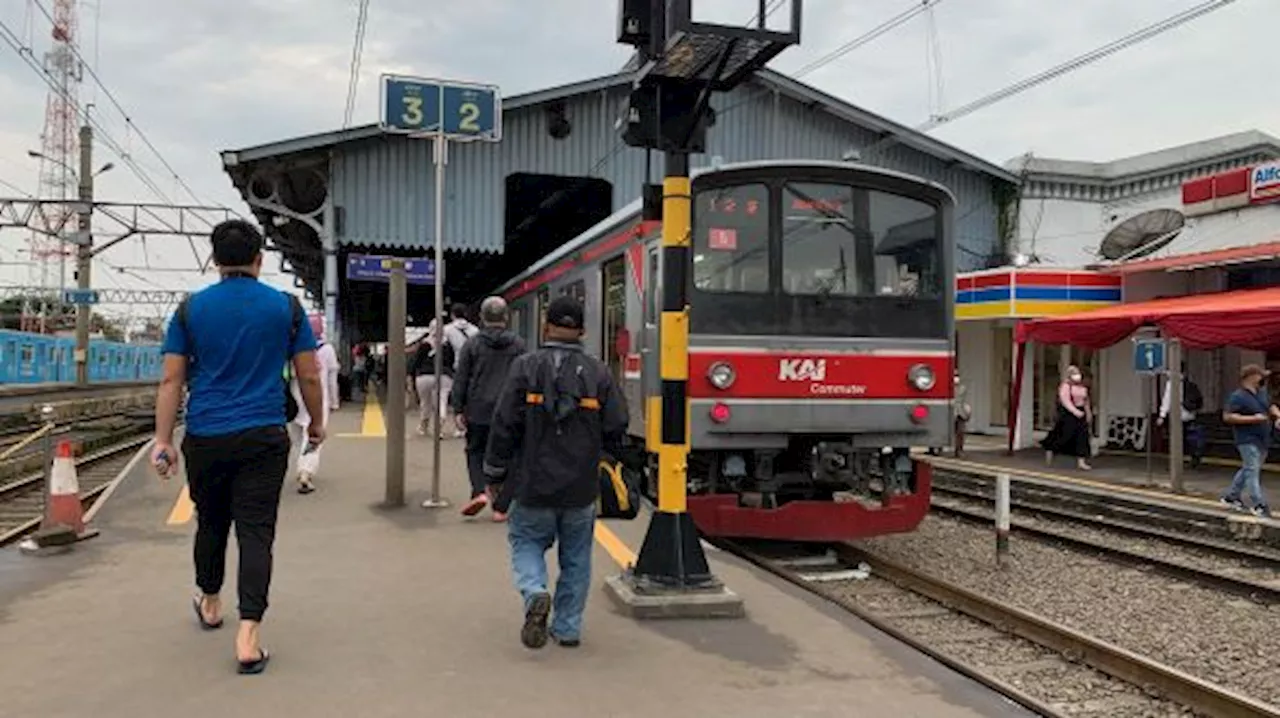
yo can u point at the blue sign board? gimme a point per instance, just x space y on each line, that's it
80 296
458 110
376 268
1148 356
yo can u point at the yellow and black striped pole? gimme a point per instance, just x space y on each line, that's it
672 555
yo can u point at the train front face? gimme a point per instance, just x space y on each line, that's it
820 349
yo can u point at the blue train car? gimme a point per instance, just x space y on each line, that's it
28 358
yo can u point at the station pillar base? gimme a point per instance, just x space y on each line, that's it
671 578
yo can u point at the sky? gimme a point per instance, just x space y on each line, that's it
200 76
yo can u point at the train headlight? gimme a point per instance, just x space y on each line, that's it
721 375
921 377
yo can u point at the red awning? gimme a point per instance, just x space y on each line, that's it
1248 318
1196 260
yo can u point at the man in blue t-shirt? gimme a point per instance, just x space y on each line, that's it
229 344
1251 416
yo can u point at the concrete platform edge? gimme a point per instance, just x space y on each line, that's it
125 473
709 604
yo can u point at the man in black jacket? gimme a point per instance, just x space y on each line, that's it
558 412
482 369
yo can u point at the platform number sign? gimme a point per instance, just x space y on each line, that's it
1148 356
459 111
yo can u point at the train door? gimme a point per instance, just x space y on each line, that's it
650 344
616 346
27 363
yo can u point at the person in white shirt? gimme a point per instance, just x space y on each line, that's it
1192 401
327 358
457 332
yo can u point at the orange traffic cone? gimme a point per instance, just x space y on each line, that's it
63 522
64 507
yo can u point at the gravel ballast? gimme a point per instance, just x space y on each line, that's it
1217 637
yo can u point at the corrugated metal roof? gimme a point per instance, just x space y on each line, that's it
383 184
771 79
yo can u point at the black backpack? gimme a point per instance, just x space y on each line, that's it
299 316
1192 399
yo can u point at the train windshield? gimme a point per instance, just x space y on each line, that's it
819 258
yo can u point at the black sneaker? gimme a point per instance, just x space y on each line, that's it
566 642
534 632
1262 511
1233 504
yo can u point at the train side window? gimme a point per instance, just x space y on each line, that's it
731 239
577 290
652 289
613 277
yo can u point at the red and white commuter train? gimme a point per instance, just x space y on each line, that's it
820 342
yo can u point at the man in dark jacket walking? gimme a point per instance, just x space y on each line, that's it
482 368
558 412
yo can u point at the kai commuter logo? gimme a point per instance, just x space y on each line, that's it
802 370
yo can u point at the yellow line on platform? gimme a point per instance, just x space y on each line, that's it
183 509
993 469
372 424
617 550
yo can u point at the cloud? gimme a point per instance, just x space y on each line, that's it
199 76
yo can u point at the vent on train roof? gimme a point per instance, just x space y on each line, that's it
1142 234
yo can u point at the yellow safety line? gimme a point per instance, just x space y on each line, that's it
993 469
617 550
372 424
183 508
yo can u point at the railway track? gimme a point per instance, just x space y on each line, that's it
22 500
1049 668
1241 570
1135 515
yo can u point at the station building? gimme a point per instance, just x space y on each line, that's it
1195 219
560 168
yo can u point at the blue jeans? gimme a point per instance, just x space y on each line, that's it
531 531
1249 476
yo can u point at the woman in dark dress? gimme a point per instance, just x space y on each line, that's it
1071 434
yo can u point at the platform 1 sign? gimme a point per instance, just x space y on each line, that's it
1148 356
377 268
461 111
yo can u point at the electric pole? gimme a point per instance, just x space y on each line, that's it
84 253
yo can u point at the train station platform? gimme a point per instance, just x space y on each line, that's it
1123 470
379 612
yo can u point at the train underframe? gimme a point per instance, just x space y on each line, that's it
819 488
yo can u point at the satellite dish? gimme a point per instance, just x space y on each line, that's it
1142 234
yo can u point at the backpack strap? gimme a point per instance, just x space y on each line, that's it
298 316
181 316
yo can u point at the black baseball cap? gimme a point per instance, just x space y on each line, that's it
565 312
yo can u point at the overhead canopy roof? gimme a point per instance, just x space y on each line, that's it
1248 318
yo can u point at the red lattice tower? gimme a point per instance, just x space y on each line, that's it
58 149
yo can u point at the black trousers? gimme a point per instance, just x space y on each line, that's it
237 479
477 441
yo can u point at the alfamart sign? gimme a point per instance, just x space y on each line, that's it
1233 189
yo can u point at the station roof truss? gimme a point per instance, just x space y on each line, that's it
286 183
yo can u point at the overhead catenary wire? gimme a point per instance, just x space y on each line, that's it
25 54
357 51
106 91
1090 57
